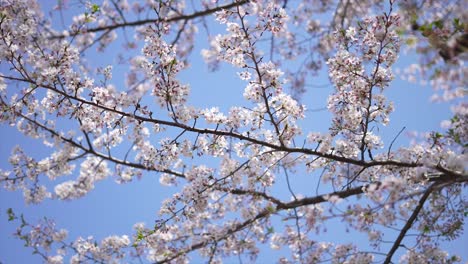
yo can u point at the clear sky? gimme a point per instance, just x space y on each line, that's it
113 208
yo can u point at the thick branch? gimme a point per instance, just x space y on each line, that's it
441 183
320 198
252 193
149 21
408 224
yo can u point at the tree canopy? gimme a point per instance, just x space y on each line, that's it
107 87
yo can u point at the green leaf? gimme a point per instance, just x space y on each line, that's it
424 28
413 18
140 236
459 26
270 230
94 8
271 209
23 222
426 229
438 24
11 214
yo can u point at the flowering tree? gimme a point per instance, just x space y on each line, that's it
227 166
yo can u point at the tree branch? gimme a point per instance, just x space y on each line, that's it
149 21
265 213
408 224
232 134
90 150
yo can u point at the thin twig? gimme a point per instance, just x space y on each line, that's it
391 144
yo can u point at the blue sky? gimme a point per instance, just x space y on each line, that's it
113 208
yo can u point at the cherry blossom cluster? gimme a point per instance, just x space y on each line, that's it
360 71
45 236
91 170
